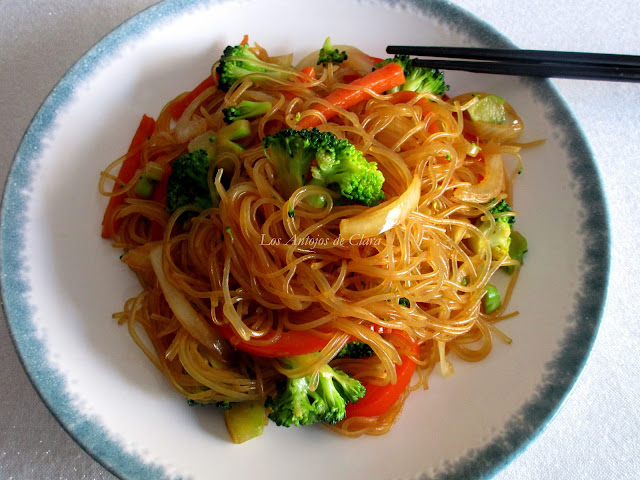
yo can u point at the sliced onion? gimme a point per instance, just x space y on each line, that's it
489 187
505 132
282 60
309 60
190 319
186 130
376 221
446 367
357 59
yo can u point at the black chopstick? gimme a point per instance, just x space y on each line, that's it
535 63
512 54
588 72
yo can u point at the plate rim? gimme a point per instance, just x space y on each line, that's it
562 373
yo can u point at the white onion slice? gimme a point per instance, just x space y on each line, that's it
186 130
489 187
190 319
378 220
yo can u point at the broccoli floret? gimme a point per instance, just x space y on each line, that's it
343 168
217 143
418 79
291 152
239 61
296 404
225 405
502 207
340 166
245 109
355 350
187 183
500 238
328 54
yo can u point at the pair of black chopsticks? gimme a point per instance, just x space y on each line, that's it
532 63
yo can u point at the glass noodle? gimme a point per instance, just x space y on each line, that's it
260 265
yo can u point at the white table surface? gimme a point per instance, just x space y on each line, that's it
595 435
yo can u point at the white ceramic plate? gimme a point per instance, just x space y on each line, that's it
61 281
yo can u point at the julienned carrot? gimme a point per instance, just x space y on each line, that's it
128 169
178 108
309 71
380 80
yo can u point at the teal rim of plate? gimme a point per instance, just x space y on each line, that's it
561 374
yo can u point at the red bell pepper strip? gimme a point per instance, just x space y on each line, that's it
288 344
178 108
380 398
128 169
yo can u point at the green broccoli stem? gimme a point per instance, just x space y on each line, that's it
245 109
491 300
151 174
517 248
144 187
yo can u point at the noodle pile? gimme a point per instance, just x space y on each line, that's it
259 266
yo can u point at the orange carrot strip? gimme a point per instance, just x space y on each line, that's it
403 96
178 108
128 169
245 40
310 71
380 80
